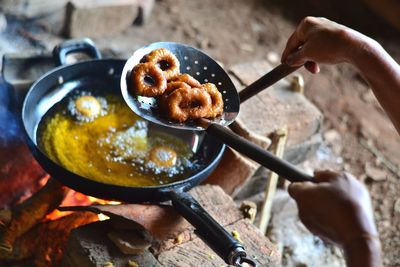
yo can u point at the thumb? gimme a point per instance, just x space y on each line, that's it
296 190
297 58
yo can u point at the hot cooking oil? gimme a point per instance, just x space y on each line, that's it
112 144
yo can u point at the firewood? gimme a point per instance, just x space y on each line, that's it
50 250
45 243
30 212
279 142
20 174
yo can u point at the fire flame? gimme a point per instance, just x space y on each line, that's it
103 217
74 198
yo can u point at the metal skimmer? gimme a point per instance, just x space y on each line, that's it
205 69
197 64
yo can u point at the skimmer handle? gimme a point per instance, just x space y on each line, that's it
266 81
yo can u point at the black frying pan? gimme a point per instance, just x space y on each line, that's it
105 74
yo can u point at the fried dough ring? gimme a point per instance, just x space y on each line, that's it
186 78
88 106
163 156
141 86
165 60
178 81
171 86
217 103
184 103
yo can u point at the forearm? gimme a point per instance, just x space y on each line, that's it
364 252
382 73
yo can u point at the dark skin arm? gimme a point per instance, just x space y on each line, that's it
337 207
321 41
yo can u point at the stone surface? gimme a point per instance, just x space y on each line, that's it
301 152
375 174
276 107
96 18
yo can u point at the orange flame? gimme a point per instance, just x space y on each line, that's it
74 198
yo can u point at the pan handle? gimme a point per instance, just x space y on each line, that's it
210 231
85 45
258 154
265 81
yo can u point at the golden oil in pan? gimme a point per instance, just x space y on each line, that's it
113 145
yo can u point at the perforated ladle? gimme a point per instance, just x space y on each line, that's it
205 69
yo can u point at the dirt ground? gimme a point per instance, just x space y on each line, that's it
238 31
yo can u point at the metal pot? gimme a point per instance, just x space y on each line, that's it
105 73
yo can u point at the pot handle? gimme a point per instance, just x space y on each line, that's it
212 233
85 45
267 80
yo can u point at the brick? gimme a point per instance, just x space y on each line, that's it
232 172
31 8
96 18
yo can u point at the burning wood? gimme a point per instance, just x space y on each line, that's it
29 213
20 174
47 251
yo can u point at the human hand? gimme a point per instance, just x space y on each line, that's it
319 40
336 208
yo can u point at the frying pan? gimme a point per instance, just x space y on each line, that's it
105 74
205 69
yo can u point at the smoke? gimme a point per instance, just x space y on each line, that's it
10 118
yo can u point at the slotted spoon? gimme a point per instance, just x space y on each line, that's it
205 69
